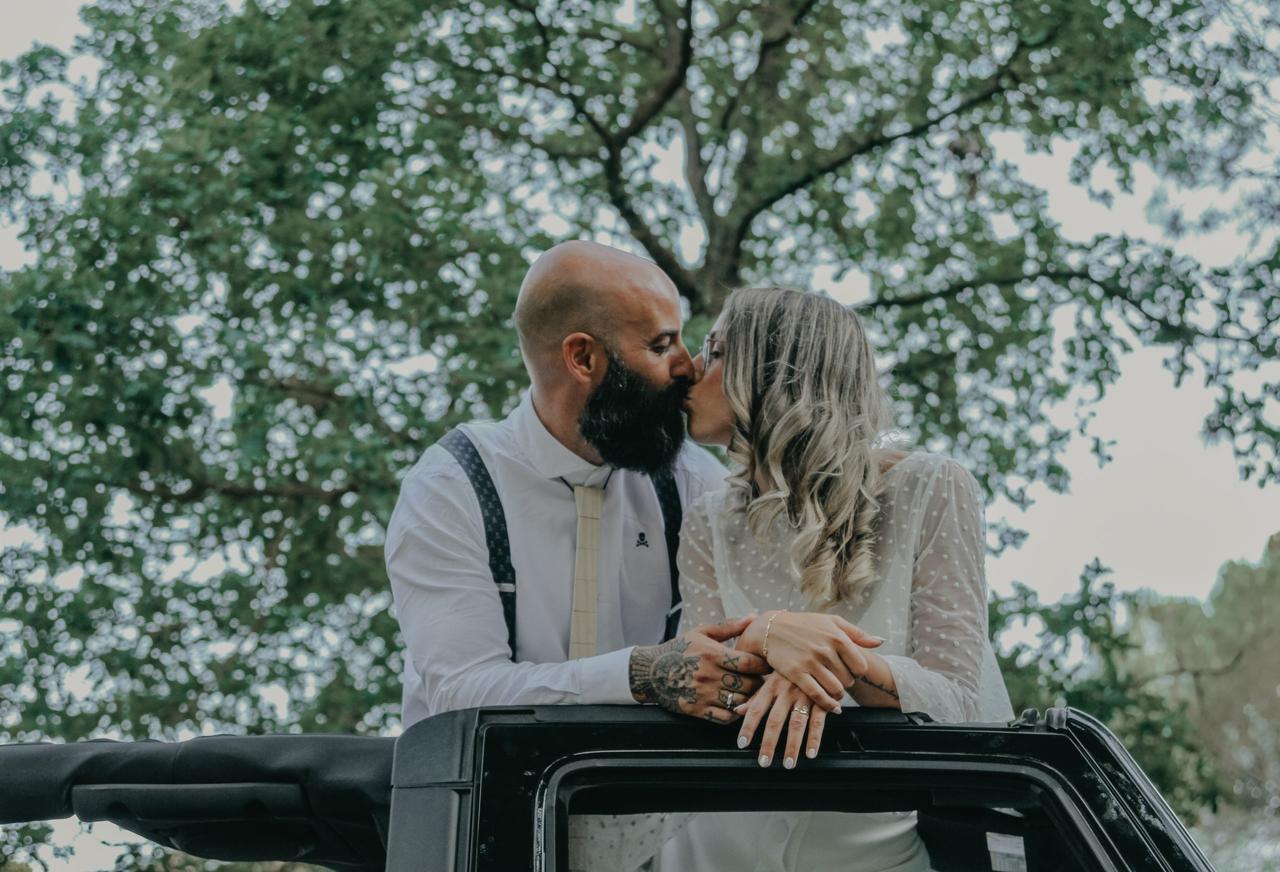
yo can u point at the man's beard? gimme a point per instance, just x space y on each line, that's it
633 424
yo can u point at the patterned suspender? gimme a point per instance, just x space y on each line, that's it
669 501
464 451
457 443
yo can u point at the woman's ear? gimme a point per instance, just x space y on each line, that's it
584 357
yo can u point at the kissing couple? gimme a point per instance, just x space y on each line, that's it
581 550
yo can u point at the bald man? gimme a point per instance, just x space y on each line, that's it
487 571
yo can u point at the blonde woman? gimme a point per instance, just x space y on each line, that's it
818 532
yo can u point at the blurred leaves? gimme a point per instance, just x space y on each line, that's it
1081 656
1219 658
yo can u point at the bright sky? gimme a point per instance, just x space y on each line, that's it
1165 514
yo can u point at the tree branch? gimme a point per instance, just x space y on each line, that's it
724 249
198 490
566 89
955 288
1110 289
613 144
314 394
568 154
695 168
768 44
1194 672
837 158
615 182
650 107
320 395
666 260
618 40
1253 341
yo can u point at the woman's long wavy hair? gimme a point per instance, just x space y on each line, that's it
799 375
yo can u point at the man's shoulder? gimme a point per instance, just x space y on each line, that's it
437 485
434 462
489 438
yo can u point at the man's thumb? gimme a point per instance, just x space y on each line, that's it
725 631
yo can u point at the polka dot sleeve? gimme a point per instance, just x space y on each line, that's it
699 590
948 611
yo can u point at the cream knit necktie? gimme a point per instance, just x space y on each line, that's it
586 572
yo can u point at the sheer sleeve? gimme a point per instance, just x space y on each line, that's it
699 590
948 611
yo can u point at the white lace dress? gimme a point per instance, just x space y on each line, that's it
928 599
929 602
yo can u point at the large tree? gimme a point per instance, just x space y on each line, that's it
274 251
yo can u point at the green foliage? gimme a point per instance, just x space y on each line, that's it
1082 656
18 842
1219 659
275 250
261 214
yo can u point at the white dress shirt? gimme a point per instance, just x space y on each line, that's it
445 597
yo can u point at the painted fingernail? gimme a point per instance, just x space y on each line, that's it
837 711
789 763
742 741
877 638
811 753
764 759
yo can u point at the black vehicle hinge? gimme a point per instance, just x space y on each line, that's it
1055 719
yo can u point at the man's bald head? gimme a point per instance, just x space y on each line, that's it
600 334
579 287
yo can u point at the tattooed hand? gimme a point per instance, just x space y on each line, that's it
695 674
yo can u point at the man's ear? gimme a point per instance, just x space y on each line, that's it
584 357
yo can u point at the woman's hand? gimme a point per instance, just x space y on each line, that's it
820 654
782 704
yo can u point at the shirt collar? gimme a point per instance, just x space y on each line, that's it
548 456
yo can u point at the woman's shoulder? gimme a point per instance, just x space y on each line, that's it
706 502
914 469
705 508
901 461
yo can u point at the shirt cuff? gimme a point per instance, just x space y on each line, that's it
606 679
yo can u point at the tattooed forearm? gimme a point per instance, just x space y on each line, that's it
883 688
663 675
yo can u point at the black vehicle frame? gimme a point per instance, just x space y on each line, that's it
493 789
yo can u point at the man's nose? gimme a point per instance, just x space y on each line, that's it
686 367
699 368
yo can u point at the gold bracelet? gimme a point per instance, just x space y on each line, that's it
764 651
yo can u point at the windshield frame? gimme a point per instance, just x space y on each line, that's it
1056 795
